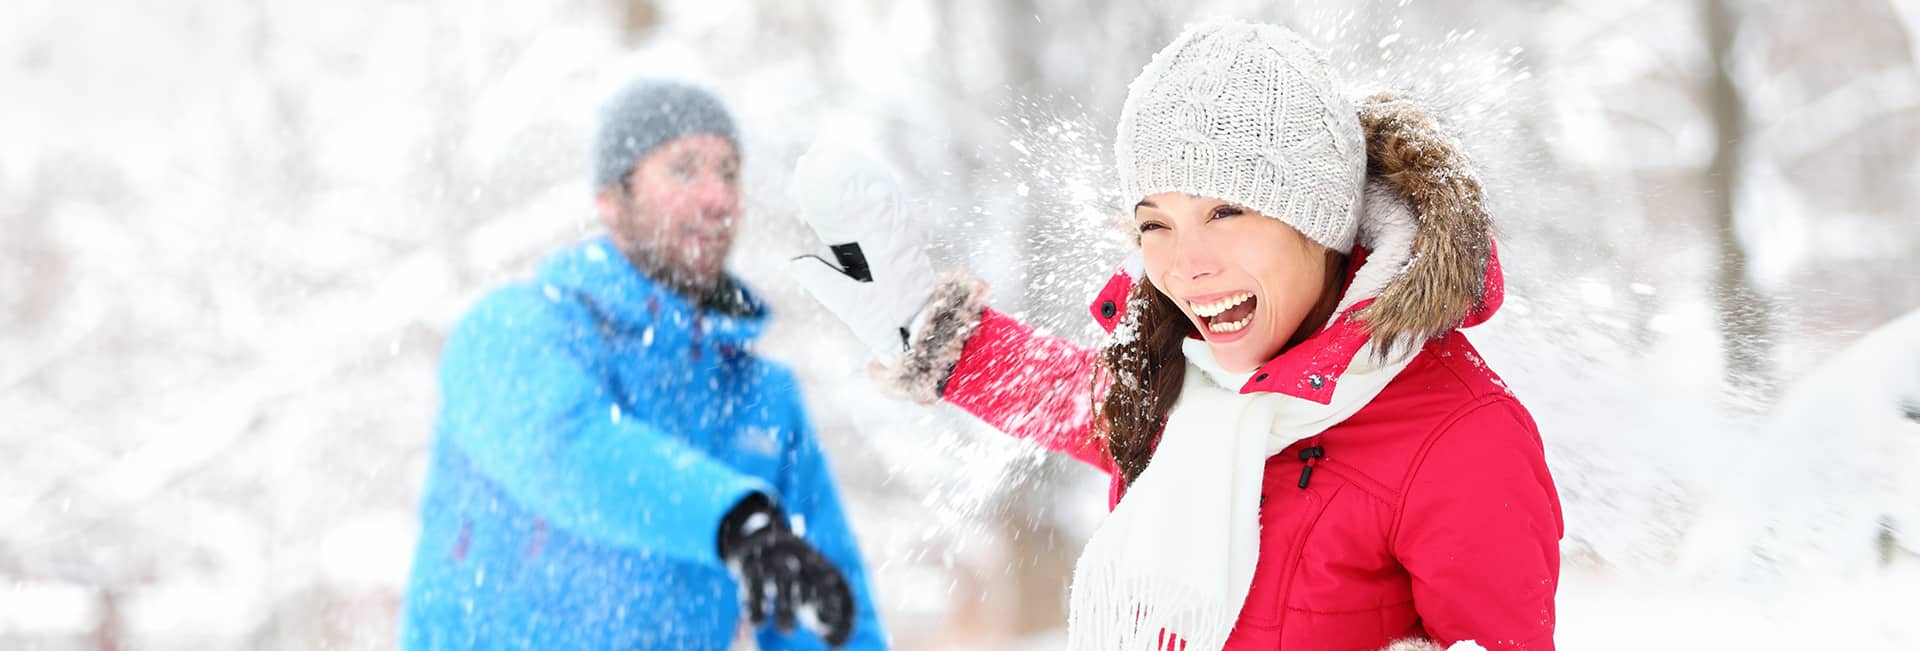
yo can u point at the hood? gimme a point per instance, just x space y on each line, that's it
1434 267
1424 262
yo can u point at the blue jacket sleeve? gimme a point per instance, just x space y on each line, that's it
808 493
528 406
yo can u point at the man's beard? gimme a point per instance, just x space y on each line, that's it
707 290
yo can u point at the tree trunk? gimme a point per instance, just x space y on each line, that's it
1040 557
107 634
1042 564
1742 310
638 18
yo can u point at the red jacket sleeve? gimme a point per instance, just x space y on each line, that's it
1479 531
1031 386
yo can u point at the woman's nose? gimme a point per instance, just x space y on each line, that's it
1194 257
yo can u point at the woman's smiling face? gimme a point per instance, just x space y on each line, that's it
1246 280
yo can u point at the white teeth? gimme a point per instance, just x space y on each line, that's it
1223 328
1214 309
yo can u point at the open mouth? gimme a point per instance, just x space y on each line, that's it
1226 315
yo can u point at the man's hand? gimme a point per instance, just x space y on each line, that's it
778 569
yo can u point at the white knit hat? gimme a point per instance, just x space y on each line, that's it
1248 114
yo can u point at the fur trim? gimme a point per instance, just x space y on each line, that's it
1445 274
1412 644
941 332
1387 229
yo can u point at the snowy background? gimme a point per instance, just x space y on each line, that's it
233 235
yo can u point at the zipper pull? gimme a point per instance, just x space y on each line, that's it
1312 456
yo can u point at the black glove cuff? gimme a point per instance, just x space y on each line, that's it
754 518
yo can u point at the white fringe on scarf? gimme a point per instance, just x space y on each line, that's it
1170 567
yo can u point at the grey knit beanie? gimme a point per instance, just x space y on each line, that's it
1246 113
648 113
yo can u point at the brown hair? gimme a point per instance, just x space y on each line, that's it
1147 370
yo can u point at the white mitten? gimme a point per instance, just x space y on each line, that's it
877 278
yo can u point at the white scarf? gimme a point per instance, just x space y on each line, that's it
1176 556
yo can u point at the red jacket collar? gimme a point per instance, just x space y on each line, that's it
1310 369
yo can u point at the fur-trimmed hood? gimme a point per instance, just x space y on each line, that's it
1424 259
1425 221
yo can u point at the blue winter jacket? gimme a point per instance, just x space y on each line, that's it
594 428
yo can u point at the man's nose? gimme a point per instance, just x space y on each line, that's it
714 190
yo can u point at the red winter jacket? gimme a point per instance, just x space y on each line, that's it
1431 513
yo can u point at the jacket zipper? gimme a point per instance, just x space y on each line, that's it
1312 519
1311 456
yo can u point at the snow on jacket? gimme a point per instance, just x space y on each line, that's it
1429 515
595 427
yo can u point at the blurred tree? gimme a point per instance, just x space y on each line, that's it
637 19
1743 311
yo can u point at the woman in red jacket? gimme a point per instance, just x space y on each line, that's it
1306 453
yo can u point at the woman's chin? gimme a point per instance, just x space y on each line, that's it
1238 356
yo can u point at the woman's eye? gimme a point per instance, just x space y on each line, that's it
1226 211
1151 226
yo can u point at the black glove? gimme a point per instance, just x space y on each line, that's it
773 564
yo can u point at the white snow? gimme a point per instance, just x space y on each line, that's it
47 609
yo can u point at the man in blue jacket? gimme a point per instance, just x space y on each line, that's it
613 467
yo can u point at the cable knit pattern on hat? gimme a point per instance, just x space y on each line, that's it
1247 114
